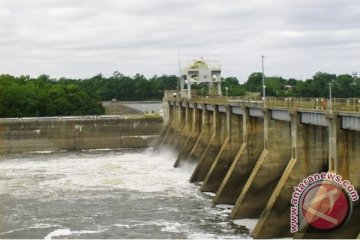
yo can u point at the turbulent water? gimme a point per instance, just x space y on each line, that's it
106 194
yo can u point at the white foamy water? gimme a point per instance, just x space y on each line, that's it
66 232
106 194
249 223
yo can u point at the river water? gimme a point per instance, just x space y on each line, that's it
107 194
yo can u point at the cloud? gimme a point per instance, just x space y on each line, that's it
85 37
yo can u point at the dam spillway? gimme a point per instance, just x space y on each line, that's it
252 153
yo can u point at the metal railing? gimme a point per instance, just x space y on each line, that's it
319 104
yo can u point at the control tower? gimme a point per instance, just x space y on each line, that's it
201 71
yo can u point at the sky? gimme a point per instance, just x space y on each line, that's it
82 38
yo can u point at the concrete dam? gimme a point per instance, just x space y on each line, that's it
253 154
250 153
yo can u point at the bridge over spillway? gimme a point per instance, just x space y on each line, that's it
252 153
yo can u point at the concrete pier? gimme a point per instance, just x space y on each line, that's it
249 148
188 137
252 154
212 145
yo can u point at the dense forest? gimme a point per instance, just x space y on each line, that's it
43 96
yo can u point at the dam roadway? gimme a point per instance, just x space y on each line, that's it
252 153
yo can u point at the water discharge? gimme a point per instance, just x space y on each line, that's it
106 194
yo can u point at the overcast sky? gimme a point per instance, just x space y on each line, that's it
81 38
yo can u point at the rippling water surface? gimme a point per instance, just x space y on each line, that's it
106 194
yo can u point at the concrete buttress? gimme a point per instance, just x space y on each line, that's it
267 171
308 157
230 132
251 144
187 140
211 150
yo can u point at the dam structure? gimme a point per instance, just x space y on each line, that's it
252 152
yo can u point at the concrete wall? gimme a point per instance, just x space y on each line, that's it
54 134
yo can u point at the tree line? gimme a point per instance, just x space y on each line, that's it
342 86
43 96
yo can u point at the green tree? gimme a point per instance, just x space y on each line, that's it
254 82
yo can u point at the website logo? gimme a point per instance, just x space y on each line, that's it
322 200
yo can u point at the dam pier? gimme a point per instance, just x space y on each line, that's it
252 153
